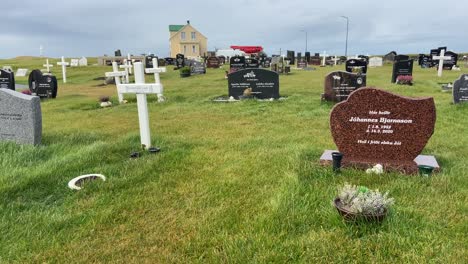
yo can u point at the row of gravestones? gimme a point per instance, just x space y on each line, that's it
427 61
42 85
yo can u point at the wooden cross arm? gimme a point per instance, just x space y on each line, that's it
134 88
155 70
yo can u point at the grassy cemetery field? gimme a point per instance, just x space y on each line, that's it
234 182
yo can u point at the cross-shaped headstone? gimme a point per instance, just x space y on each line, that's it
324 55
441 59
47 65
335 59
127 68
117 74
156 72
64 65
141 89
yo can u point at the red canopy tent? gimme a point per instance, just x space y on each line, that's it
248 49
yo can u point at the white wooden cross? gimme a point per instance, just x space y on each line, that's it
64 69
117 74
335 59
129 61
48 65
324 57
156 72
127 68
441 59
141 89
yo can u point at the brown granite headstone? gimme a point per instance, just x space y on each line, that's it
213 62
339 84
374 126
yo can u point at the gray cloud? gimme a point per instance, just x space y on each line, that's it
96 27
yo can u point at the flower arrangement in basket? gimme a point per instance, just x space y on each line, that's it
360 203
404 79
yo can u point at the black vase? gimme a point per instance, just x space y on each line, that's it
337 157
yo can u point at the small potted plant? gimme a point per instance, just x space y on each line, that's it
105 101
356 203
185 72
27 92
404 80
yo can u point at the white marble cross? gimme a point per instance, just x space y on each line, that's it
141 89
48 65
127 68
117 74
64 65
441 59
335 59
324 55
156 72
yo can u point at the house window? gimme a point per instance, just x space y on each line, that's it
185 49
193 35
182 35
193 49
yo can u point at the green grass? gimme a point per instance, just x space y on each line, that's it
234 183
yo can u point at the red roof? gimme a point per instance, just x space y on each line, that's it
248 49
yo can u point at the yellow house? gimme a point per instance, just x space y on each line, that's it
186 40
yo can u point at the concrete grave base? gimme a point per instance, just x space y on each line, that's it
428 160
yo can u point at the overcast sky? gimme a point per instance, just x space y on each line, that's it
75 28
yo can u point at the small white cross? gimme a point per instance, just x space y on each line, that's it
117 74
127 68
48 65
157 80
441 59
129 62
324 57
335 59
141 89
64 69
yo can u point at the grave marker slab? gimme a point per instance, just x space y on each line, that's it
21 72
20 117
402 67
42 85
197 67
339 85
74 62
377 127
375 62
264 84
83 61
7 80
236 63
213 62
356 66
180 60
460 89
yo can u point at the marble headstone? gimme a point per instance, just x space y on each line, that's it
21 72
376 62
83 61
460 89
20 117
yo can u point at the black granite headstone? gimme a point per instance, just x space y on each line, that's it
7 80
356 66
460 89
44 86
197 67
402 67
401 57
149 60
453 59
169 61
252 63
118 53
213 62
307 57
260 83
180 60
291 57
339 84
236 63
365 58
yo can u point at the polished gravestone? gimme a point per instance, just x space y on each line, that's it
236 63
149 60
460 89
339 85
258 83
213 62
20 117
180 60
377 127
7 79
402 67
169 61
252 63
197 67
356 66
43 85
